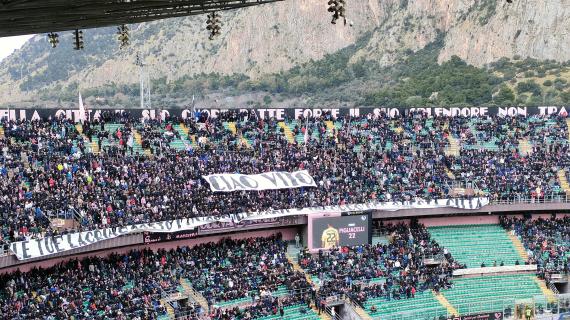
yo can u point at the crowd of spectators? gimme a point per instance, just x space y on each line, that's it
130 286
393 270
48 169
266 306
118 287
547 242
218 270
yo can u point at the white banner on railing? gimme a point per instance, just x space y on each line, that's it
37 248
226 182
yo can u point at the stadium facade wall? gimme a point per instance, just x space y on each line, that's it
493 208
460 216
488 219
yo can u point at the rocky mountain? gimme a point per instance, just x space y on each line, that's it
277 38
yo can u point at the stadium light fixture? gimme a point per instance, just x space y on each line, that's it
333 4
78 43
214 25
124 39
53 39
338 9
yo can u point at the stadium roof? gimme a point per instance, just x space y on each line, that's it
19 17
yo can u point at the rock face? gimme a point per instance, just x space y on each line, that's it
528 28
275 37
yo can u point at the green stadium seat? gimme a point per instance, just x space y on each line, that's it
476 244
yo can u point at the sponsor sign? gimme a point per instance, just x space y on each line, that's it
480 316
227 182
152 237
37 248
219 227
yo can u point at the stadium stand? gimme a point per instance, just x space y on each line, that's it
96 288
133 285
175 153
491 293
386 279
423 306
547 242
477 245
120 171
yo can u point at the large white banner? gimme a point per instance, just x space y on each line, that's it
37 248
227 182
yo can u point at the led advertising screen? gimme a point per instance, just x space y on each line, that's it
346 230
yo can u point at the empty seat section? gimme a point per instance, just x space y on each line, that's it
491 293
477 244
423 306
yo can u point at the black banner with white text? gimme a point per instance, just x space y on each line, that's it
282 113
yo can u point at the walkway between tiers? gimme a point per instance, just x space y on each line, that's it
287 131
563 181
550 296
445 303
292 254
195 295
518 245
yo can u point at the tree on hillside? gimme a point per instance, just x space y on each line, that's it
529 86
505 96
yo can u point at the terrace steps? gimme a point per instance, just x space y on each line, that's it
169 309
93 144
232 127
525 147
330 127
449 173
563 181
185 133
196 296
454 147
95 147
550 296
138 140
445 303
184 129
423 306
322 316
244 142
297 267
1 132
287 131
518 245
362 314
293 313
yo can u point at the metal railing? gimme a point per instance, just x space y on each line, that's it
553 288
543 308
170 293
76 215
253 293
552 198
547 199
332 313
420 314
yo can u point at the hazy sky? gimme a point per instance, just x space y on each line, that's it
9 44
